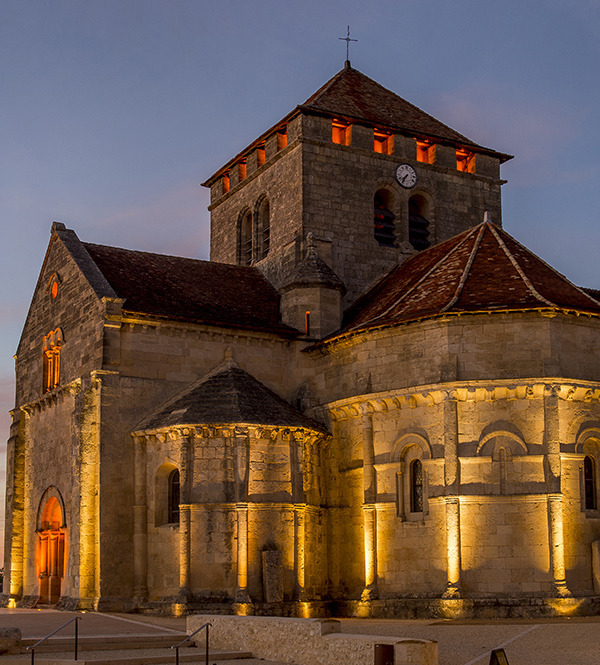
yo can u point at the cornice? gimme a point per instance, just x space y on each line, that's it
466 391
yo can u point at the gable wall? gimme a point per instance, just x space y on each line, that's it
76 310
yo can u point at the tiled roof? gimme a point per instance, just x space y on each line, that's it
483 269
353 95
228 395
312 271
190 290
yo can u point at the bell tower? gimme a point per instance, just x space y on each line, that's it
371 176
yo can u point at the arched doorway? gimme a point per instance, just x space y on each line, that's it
51 548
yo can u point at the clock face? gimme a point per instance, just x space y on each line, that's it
406 176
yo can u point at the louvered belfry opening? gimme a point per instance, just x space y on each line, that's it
418 224
384 228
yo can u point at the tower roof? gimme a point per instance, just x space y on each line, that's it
352 95
483 269
228 395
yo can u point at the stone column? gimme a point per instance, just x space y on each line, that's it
451 481
89 511
556 543
184 519
140 523
299 548
453 547
369 512
241 595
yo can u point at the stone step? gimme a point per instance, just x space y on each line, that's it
113 642
159 656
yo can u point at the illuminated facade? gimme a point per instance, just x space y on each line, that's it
368 402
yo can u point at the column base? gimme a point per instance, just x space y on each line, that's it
561 590
452 591
369 593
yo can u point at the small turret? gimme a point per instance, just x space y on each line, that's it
311 295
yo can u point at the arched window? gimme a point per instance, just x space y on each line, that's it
589 480
264 228
384 229
245 249
418 224
173 505
51 359
416 486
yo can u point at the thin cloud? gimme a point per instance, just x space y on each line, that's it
538 131
174 222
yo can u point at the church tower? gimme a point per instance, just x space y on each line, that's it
372 177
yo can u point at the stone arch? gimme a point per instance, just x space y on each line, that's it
421 227
50 553
491 443
408 454
245 237
384 224
163 494
262 217
588 446
587 435
408 439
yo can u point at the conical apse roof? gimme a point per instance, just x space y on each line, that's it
483 269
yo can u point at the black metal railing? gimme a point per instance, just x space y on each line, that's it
32 647
189 637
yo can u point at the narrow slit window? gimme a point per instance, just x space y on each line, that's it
242 170
382 142
465 161
416 486
340 132
260 155
307 322
226 184
282 139
174 494
589 478
425 152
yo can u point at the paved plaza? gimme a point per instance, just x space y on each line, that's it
568 641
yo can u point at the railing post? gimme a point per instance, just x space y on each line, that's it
207 627
33 657
76 636
176 655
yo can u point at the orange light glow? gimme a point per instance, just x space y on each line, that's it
225 184
260 155
425 152
281 139
242 170
382 142
51 360
465 161
307 322
54 289
340 132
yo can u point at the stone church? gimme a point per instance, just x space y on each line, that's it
371 401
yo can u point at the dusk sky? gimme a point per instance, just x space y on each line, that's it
112 112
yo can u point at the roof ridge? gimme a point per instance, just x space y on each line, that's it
326 86
519 270
426 275
467 269
556 272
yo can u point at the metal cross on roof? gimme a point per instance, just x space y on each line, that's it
347 40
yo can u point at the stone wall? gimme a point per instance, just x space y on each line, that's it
306 641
